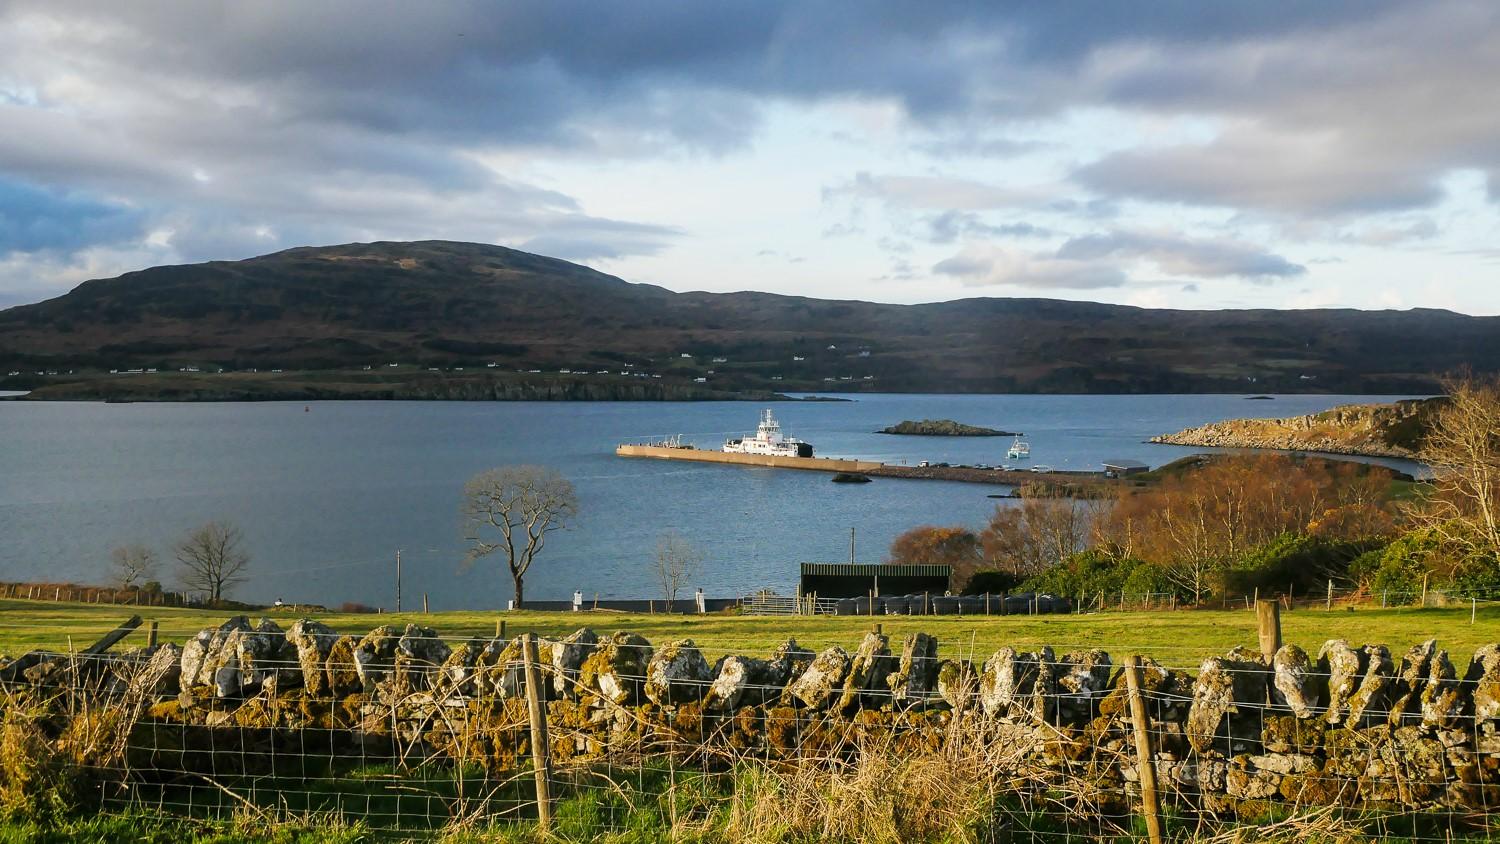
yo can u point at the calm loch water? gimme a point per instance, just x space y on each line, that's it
327 494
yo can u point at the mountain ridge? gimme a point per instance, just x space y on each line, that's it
449 304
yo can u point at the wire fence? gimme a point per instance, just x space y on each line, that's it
407 731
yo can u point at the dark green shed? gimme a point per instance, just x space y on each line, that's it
853 580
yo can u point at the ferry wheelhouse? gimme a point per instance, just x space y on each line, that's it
768 440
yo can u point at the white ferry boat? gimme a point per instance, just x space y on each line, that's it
768 440
1019 450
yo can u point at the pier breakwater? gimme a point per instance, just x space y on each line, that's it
818 464
964 474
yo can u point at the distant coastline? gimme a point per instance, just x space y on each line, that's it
378 386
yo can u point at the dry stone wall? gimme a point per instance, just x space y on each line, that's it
1353 725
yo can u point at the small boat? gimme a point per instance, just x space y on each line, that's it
851 478
1019 450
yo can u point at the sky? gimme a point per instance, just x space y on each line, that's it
1165 154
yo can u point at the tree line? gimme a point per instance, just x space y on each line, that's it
1225 524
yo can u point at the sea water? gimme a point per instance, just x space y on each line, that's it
327 492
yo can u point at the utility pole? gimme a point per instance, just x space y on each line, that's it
398 580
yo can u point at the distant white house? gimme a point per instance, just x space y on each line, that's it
685 355
798 357
700 380
721 360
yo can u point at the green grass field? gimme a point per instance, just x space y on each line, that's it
1181 638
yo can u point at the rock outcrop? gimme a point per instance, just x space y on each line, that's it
1375 430
943 428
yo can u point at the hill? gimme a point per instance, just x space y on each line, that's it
438 304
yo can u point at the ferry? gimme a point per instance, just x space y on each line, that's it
1019 450
769 441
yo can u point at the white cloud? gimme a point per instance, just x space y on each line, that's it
979 265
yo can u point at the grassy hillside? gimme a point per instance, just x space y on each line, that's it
444 304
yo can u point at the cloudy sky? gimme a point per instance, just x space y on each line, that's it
1192 154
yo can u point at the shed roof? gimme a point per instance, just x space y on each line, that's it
874 570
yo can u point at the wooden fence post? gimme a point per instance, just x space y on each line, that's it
151 634
110 638
1328 607
541 752
1145 758
1268 624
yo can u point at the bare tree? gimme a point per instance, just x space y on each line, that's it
211 559
675 562
1463 448
131 564
512 509
1038 533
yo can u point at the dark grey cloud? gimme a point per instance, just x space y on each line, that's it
1357 114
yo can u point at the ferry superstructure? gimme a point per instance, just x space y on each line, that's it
768 441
